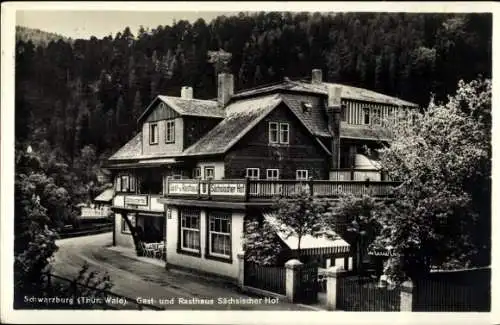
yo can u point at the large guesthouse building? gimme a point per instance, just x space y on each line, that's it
197 169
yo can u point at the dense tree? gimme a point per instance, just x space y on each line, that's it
441 215
299 215
260 243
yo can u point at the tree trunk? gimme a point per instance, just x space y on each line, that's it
298 247
133 231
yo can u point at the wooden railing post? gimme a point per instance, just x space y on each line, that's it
199 188
311 190
352 173
167 192
208 188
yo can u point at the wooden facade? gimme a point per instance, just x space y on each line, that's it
255 151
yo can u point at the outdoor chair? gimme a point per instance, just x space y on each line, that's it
159 250
148 250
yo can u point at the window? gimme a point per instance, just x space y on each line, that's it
209 172
219 235
170 131
197 172
302 174
284 133
125 228
132 184
118 184
190 230
153 133
253 173
366 115
273 132
125 183
273 173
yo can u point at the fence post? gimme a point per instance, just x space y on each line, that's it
332 286
241 269
293 268
406 302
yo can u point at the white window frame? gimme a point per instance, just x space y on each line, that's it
170 131
155 134
273 128
250 173
300 177
273 177
207 168
185 214
212 220
283 131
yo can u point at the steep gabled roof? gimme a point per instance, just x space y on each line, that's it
131 149
241 116
187 107
194 107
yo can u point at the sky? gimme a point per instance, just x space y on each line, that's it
84 24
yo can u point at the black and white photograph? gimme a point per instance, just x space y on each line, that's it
224 158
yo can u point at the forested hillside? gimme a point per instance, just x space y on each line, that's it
90 92
38 37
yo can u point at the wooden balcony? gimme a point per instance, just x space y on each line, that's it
247 190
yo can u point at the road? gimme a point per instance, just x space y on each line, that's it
134 278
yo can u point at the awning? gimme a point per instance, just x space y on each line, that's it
105 196
309 245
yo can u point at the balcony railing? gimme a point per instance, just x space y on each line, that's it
374 175
257 190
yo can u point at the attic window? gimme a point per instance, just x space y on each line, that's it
306 107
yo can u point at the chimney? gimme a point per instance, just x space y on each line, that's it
225 88
317 76
187 92
333 111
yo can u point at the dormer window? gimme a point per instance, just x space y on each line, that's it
306 107
153 133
